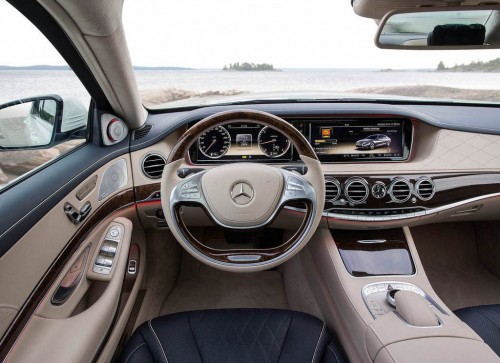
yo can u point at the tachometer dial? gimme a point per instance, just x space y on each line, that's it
215 142
272 142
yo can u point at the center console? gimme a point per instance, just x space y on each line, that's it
371 284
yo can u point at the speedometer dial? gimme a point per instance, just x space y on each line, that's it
272 142
215 142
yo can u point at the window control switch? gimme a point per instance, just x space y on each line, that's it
108 249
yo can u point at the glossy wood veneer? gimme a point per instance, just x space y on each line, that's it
374 253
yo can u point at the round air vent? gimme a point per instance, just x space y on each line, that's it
400 190
356 190
332 190
424 188
152 165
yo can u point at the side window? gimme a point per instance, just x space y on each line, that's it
43 105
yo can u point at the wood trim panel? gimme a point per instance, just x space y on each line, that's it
384 252
143 192
265 254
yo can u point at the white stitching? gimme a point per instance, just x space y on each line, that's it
334 354
317 344
134 351
158 340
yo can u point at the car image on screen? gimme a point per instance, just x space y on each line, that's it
373 141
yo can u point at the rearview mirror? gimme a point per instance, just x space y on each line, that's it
40 122
464 27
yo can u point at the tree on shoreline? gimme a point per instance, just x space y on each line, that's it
492 66
245 66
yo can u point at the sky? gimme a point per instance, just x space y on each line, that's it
210 34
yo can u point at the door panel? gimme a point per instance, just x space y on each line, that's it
78 335
25 204
30 267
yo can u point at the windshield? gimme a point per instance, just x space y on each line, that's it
190 53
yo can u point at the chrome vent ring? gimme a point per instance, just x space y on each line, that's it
356 190
152 165
400 190
332 189
425 188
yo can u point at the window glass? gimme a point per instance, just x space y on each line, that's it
31 68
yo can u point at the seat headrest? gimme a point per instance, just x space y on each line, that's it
457 34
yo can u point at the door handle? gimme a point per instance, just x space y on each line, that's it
76 217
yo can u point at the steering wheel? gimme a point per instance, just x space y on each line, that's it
243 196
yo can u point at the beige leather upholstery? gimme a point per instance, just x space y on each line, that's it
414 309
75 338
267 184
27 261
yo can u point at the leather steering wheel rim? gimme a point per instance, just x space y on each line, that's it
214 189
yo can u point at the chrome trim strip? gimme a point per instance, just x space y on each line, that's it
427 212
372 241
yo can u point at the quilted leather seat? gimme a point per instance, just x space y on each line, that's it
233 335
485 321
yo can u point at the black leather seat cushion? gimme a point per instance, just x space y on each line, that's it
485 321
233 335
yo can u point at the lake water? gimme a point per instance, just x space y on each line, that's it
19 84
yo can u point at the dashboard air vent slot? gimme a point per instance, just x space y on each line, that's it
152 165
142 132
332 189
356 190
400 190
424 188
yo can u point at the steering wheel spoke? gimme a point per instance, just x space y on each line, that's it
242 196
297 188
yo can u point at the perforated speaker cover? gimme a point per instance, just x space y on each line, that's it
113 179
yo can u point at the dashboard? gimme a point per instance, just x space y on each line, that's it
333 140
384 165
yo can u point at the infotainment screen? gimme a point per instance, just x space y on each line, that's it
361 139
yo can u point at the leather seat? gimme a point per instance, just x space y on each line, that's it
233 335
485 321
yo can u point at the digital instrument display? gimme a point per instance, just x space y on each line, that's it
242 141
361 139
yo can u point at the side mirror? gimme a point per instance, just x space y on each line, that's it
40 122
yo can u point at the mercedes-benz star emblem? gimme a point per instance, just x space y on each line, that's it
242 193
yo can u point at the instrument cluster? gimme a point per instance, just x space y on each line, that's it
241 141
